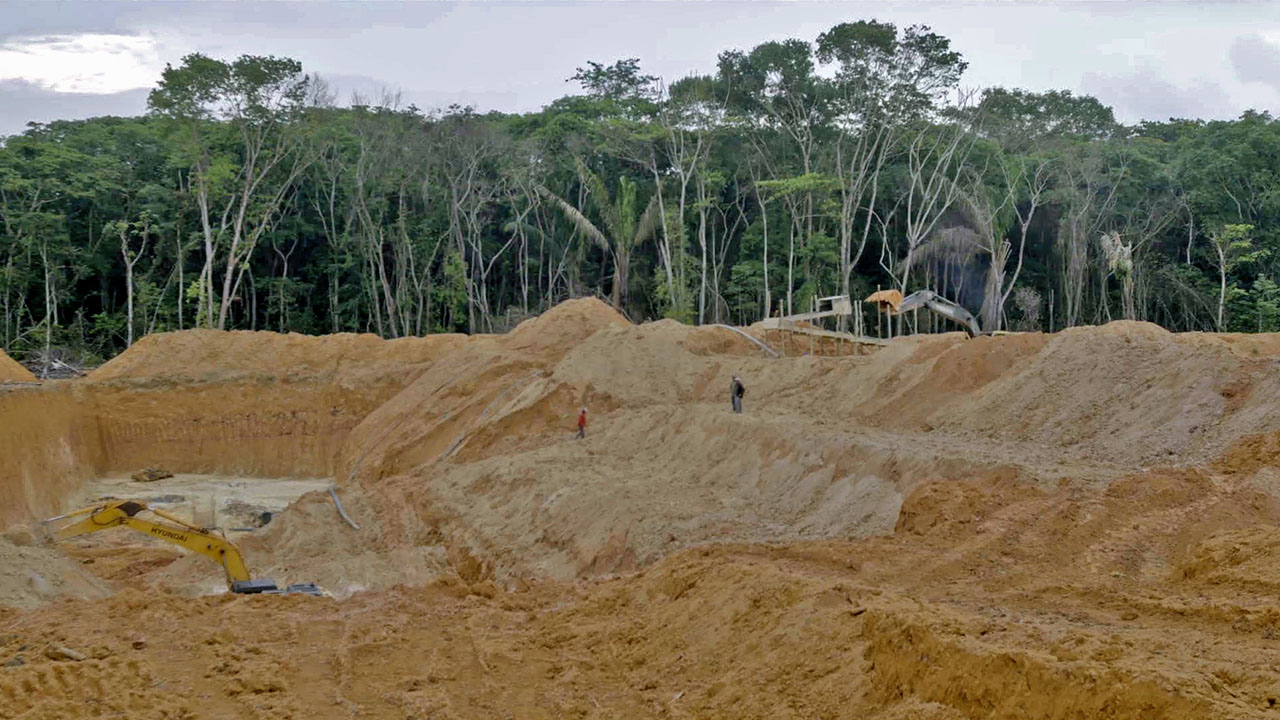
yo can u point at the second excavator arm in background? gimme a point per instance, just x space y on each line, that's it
208 542
935 303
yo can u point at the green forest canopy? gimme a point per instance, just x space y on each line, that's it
246 198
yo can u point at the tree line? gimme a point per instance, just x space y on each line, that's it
247 198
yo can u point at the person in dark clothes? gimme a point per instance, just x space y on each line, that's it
582 423
736 391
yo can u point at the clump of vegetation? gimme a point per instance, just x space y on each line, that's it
246 198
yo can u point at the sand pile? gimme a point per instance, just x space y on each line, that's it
11 371
477 460
1128 392
32 574
475 463
204 355
461 449
563 326
664 466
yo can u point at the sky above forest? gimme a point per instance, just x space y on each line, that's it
1148 60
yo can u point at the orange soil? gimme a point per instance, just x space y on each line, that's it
11 371
1076 525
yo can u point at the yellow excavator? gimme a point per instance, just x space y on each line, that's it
209 542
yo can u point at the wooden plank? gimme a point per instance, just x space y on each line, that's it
782 321
849 337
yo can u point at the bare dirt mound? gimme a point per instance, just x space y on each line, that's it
455 447
665 463
563 326
1128 392
11 371
196 355
31 574
477 459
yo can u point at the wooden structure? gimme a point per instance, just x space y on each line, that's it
834 306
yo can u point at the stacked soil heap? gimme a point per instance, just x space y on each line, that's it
11 371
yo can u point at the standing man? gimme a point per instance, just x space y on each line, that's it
582 423
736 391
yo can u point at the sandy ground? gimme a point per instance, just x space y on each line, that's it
1079 525
206 500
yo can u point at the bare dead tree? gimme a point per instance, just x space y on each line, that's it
128 232
861 155
936 156
1088 191
1026 182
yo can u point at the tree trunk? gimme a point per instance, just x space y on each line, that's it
993 292
128 280
50 316
791 265
621 272
768 298
702 281
1222 284
182 288
228 279
1126 292
205 296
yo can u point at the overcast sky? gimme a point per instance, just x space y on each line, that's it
1148 60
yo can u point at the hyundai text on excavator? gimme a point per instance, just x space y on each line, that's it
209 542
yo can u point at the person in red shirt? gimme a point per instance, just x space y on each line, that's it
582 423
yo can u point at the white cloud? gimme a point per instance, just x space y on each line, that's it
91 63
1256 60
1145 93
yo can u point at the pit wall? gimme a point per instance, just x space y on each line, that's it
55 436
49 443
262 429
200 401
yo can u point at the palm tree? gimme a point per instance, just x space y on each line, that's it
623 228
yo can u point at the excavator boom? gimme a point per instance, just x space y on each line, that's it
219 549
935 303
210 543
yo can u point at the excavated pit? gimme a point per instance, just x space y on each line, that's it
231 502
1032 526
